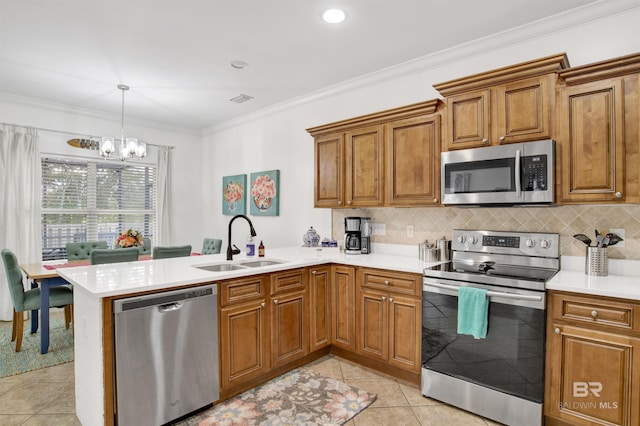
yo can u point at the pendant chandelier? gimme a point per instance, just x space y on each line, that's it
127 147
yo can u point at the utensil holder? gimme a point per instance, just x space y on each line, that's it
597 262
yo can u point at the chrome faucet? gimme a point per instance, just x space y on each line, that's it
236 250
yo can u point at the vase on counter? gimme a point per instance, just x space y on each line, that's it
311 238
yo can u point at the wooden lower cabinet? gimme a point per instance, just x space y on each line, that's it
343 309
289 334
389 323
593 361
319 307
244 343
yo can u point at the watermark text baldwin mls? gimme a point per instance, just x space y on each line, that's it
583 390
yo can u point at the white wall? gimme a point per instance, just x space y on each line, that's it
185 158
276 139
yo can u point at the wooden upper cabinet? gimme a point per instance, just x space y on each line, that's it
523 110
468 120
592 141
364 171
507 105
390 158
412 156
329 170
598 140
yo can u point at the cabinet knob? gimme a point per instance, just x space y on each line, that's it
557 330
485 140
391 300
339 201
386 282
594 314
435 200
618 194
349 202
313 272
263 304
275 301
383 298
502 138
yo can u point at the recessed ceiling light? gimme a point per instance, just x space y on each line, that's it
333 16
239 65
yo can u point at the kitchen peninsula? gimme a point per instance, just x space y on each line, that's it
96 287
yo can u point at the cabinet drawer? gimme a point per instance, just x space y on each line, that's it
391 281
294 280
597 311
242 290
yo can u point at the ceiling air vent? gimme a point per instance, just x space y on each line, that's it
241 98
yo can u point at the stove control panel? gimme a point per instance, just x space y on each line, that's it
517 243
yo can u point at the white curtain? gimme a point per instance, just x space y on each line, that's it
20 195
162 214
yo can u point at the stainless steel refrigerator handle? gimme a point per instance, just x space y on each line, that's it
518 186
170 307
491 293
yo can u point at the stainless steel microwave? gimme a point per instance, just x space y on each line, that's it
510 174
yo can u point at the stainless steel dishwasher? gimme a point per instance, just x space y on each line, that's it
166 355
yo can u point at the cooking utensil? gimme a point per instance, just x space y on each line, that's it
599 239
583 238
605 241
614 239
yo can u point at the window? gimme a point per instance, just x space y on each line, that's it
85 200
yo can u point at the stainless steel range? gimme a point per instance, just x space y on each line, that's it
500 376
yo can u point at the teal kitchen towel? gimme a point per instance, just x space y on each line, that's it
473 309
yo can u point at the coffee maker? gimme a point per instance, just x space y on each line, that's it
357 238
352 235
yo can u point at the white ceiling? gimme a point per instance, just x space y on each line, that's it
175 54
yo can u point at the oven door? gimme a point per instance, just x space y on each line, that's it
500 376
507 174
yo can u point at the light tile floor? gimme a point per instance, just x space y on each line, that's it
46 397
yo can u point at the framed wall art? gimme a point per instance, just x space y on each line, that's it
264 195
233 195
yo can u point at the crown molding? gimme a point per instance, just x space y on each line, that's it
560 22
91 113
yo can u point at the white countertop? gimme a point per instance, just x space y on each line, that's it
623 280
146 275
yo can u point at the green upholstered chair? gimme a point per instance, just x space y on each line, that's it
145 248
78 251
29 300
100 256
211 246
174 251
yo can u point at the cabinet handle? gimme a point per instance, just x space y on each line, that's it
386 282
557 330
383 298
391 300
263 305
594 314
618 194
502 138
275 301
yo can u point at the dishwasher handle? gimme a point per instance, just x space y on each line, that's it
170 307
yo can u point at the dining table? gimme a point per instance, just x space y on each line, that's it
46 276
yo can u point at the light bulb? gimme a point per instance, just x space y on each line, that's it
333 16
107 146
132 145
141 149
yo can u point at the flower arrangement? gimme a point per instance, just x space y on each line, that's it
233 192
130 238
263 190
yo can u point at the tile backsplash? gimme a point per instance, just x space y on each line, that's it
435 222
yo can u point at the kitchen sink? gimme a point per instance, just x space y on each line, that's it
221 267
258 263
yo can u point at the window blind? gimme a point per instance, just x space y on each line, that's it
86 200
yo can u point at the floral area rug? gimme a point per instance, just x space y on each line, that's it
300 397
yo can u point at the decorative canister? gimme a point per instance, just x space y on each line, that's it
445 249
311 238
